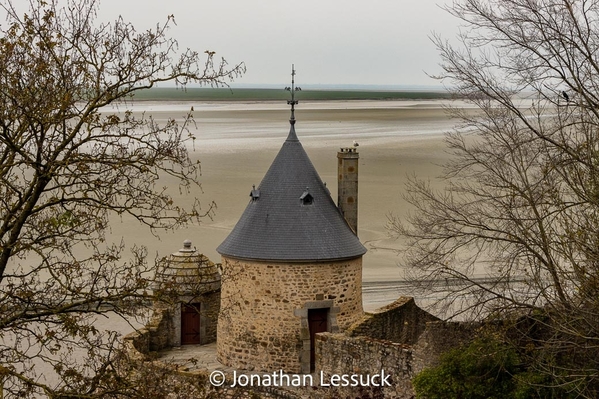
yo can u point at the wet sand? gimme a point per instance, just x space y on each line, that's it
236 143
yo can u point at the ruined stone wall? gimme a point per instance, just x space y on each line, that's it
438 338
401 321
338 354
260 324
154 336
161 329
381 340
137 343
400 338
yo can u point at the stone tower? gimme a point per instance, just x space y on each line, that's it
292 267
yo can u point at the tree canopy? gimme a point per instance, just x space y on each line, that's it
71 156
516 230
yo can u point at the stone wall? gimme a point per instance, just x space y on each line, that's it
385 344
196 382
338 354
438 338
153 337
137 343
160 330
264 307
381 340
401 321
210 310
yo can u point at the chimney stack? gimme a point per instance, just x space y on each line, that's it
347 183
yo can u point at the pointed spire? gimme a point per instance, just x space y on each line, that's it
292 89
292 136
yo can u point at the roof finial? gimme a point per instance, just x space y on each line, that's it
292 89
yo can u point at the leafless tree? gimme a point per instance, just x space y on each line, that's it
516 231
68 162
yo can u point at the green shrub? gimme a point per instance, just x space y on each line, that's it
483 369
487 368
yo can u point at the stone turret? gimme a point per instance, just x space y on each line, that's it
188 286
292 267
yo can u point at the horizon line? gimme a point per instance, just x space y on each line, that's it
324 86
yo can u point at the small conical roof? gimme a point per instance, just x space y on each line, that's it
291 215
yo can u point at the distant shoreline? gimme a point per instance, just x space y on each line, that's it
263 94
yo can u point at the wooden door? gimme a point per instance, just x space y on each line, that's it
317 322
190 324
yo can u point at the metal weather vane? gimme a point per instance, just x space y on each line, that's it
292 89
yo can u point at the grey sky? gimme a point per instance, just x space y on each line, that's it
370 42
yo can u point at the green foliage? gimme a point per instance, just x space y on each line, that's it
535 385
483 369
486 368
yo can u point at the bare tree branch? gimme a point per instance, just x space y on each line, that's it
68 162
516 229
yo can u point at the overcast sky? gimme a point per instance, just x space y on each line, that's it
365 42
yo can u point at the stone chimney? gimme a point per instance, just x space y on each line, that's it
347 192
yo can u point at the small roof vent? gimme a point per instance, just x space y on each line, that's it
306 197
255 194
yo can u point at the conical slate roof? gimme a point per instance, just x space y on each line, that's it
291 216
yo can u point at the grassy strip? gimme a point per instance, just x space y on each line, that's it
245 94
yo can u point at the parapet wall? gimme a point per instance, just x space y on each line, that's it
338 354
438 338
378 344
153 337
400 339
401 321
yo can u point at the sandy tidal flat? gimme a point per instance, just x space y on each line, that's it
236 143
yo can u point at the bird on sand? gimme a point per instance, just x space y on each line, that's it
356 143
